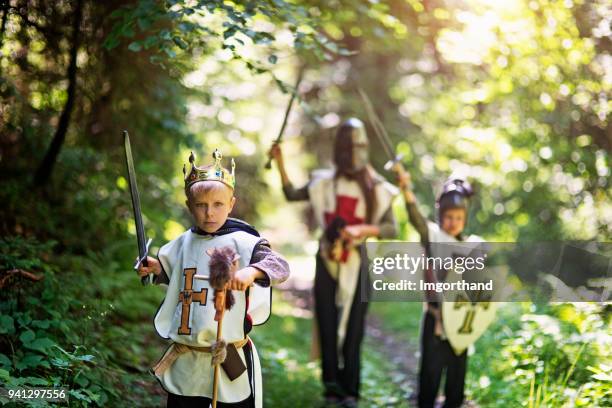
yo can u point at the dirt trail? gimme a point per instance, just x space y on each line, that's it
403 356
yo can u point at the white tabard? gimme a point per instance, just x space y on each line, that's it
437 235
192 373
327 194
483 313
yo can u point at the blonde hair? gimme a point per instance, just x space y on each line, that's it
206 186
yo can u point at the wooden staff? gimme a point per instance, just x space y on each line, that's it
219 300
222 265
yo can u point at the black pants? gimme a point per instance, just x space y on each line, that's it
339 382
181 401
437 355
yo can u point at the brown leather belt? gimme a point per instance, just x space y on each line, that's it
176 349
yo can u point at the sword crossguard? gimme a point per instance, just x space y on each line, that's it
143 261
397 159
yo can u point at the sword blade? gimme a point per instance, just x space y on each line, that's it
140 231
376 124
287 112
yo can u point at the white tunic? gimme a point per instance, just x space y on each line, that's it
324 192
192 373
437 234
458 341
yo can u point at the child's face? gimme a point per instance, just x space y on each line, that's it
210 207
453 221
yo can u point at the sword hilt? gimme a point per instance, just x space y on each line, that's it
397 159
143 261
269 163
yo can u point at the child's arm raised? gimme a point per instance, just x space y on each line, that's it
414 215
291 193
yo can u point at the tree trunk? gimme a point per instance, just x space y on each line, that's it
43 173
4 5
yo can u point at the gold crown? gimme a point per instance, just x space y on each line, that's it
213 171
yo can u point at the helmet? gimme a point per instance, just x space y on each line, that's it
455 194
351 148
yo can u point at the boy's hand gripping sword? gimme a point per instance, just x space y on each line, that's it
143 243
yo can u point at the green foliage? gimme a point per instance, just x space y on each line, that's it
291 378
522 105
77 339
535 356
517 105
37 347
174 27
546 358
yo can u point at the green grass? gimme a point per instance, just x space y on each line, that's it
531 356
292 379
92 332
403 319
125 344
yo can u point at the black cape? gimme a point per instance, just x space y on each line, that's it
231 225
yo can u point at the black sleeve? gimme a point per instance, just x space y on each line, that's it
162 278
293 194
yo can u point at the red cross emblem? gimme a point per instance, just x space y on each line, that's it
345 209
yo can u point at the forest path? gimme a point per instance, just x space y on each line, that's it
402 354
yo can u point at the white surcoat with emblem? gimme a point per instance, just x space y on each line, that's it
330 197
192 373
482 314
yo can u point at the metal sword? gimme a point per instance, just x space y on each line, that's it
143 243
380 132
287 112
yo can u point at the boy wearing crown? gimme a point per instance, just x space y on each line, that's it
186 316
